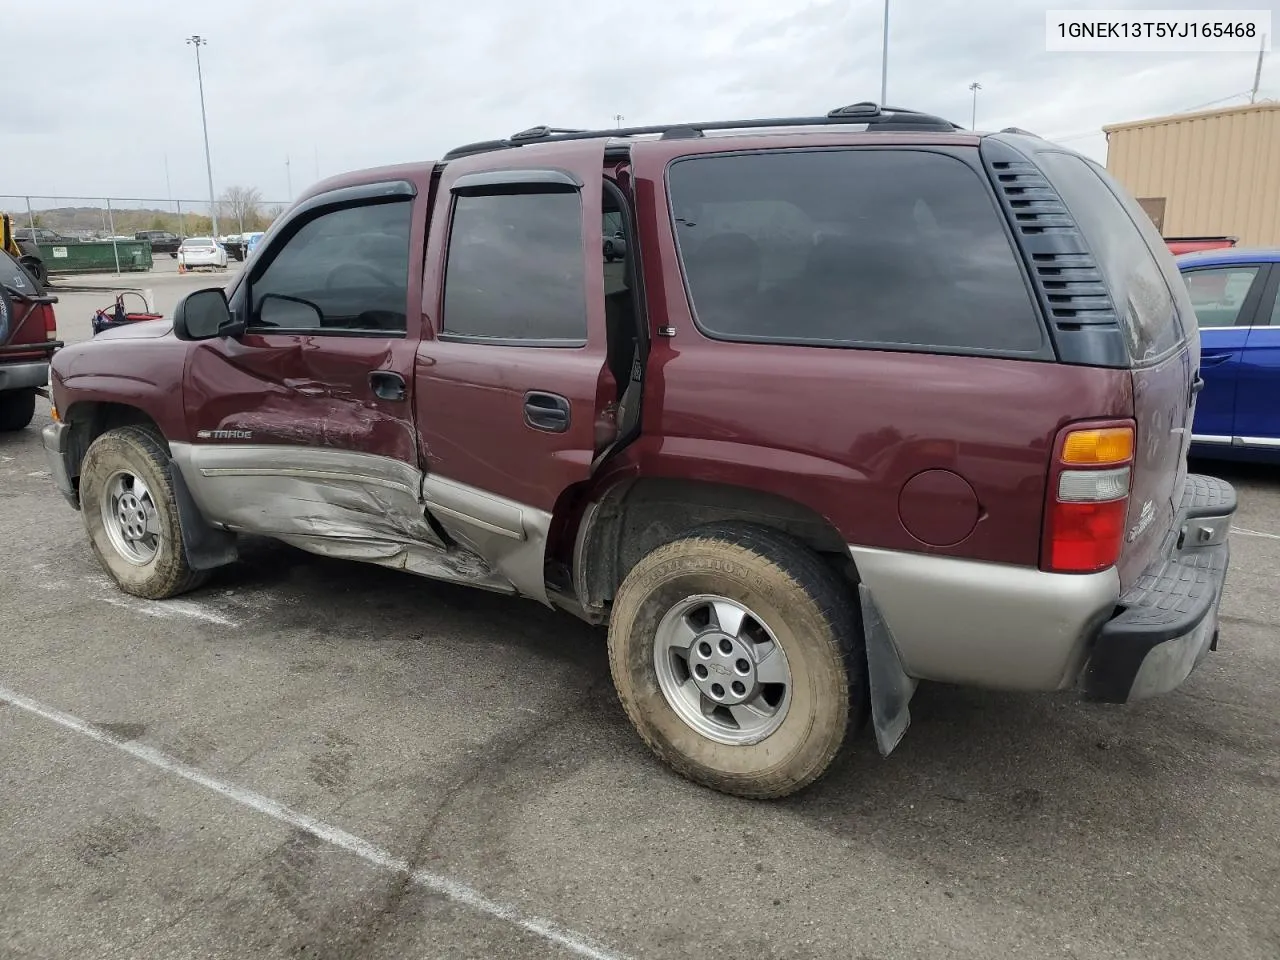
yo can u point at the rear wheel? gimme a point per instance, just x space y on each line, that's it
17 408
737 655
131 516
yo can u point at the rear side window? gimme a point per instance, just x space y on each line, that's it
876 248
1137 283
1218 295
515 270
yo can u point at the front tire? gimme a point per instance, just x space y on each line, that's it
738 656
131 515
17 409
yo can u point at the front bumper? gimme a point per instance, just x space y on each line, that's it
56 436
1168 620
24 376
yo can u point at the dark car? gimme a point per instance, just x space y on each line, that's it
1234 295
28 337
162 241
871 399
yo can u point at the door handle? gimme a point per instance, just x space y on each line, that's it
387 385
546 411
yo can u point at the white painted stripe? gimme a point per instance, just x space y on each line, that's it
164 609
572 941
1255 533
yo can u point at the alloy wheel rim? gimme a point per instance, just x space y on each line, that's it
721 669
130 517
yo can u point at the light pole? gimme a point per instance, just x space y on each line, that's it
884 59
973 120
618 118
198 41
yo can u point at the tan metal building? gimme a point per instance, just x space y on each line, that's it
1215 173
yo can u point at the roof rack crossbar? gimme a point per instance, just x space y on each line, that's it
872 114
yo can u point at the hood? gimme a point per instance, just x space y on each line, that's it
141 330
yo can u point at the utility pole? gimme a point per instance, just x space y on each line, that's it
884 59
1257 74
288 177
618 118
198 41
973 120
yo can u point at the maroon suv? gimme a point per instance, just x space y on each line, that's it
867 399
28 338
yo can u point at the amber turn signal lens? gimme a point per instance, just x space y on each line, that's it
1097 447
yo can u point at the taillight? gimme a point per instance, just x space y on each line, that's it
50 323
1088 498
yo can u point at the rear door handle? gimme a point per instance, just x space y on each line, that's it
387 385
546 411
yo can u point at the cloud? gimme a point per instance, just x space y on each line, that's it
113 87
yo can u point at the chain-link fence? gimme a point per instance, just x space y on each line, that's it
101 218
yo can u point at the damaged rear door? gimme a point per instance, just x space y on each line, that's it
301 427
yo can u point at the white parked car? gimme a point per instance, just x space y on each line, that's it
201 252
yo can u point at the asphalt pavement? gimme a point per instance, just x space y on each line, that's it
311 758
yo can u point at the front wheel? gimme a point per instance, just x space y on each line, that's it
131 516
17 409
737 654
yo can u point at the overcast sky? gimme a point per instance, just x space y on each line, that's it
97 94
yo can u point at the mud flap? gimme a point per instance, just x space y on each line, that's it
206 547
891 688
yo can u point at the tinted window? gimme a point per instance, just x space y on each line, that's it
1138 284
516 268
13 276
1217 295
873 247
348 270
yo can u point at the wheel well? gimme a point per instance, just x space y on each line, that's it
635 517
89 421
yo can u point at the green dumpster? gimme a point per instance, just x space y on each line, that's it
96 256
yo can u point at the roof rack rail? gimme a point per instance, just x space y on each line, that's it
872 114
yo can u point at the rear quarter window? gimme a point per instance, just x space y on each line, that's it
1121 241
896 249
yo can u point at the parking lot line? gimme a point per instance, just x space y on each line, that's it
1255 533
458 892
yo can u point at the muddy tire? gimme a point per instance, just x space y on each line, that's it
131 516
737 654
17 409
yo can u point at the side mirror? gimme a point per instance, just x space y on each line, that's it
202 315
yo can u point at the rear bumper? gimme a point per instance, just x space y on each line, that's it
1020 628
1168 620
24 376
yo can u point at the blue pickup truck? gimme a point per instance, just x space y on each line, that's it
1234 294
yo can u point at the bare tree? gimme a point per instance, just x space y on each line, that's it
241 206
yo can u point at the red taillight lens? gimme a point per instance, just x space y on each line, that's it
1088 497
50 323
1085 537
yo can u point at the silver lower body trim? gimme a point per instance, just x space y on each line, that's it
336 503
986 624
1214 440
